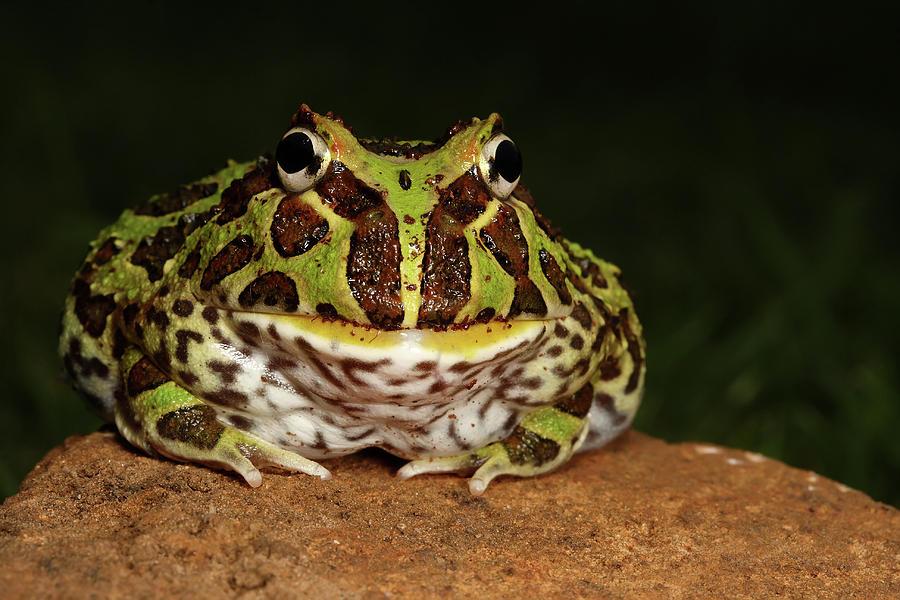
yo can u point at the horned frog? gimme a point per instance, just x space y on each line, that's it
353 292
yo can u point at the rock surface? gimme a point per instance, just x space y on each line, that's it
641 518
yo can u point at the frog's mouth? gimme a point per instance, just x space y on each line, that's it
457 339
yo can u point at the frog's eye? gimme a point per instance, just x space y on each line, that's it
302 157
500 165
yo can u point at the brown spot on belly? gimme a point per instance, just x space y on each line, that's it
241 422
195 425
92 310
273 290
296 227
210 314
143 376
234 256
183 308
182 337
227 397
373 267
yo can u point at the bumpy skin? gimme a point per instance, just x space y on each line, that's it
397 303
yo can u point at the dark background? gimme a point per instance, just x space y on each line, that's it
739 164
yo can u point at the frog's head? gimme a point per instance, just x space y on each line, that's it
398 234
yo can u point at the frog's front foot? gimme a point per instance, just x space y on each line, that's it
544 440
160 416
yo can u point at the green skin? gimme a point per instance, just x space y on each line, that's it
124 318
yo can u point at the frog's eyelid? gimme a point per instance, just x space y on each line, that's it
500 165
301 157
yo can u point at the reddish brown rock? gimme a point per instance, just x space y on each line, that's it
640 519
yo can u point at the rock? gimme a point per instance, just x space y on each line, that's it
640 518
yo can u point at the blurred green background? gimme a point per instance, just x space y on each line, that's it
739 164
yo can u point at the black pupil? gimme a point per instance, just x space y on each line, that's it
295 152
508 161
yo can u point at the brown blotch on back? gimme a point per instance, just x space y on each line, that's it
635 350
235 255
105 252
273 290
504 239
579 403
526 447
296 227
143 376
345 194
92 310
446 271
523 194
373 267
590 270
180 199
465 199
237 195
153 251
189 266
555 276
582 316
527 299
195 425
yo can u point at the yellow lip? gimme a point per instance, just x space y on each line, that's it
458 340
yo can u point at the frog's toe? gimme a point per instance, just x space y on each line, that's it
246 454
488 463
463 463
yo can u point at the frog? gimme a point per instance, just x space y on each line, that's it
349 292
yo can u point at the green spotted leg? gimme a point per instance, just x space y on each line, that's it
545 439
160 416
